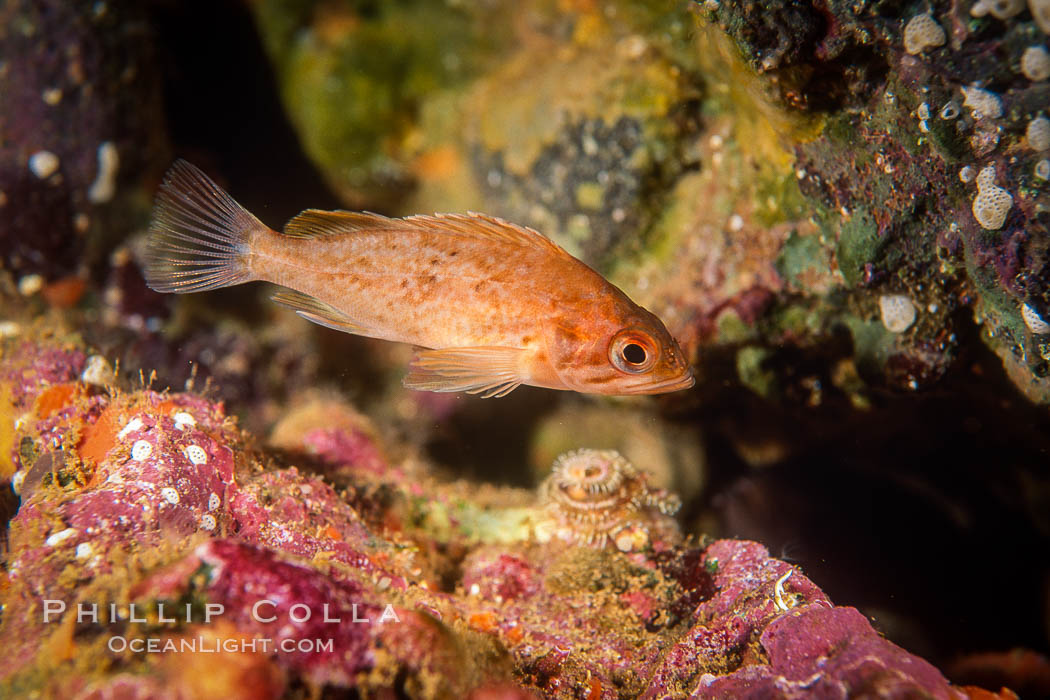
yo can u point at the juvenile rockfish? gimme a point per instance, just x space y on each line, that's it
498 305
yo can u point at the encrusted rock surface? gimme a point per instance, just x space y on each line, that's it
185 533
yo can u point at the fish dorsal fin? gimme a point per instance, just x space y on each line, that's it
484 226
489 371
316 223
315 310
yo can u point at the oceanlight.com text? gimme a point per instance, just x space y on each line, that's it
216 645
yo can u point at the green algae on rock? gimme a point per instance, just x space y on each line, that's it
354 77
470 106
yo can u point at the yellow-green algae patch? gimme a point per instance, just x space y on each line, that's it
352 77
521 98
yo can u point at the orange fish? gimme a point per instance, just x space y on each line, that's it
498 305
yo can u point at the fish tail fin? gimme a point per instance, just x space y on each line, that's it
199 238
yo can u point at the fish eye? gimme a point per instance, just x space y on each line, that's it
633 352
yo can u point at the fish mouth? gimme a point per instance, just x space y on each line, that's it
676 383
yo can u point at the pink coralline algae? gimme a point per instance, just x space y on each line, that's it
153 503
497 576
41 368
806 647
301 515
161 478
345 448
297 603
725 621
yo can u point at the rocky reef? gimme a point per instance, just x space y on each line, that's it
925 183
150 521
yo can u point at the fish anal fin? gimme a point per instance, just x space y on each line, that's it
317 223
489 371
316 311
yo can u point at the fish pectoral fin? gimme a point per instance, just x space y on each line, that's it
315 310
489 371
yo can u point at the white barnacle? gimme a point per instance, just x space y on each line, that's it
922 32
43 164
1035 63
60 537
990 207
141 450
967 173
1033 320
97 371
208 522
171 495
133 425
1040 10
984 103
1042 169
183 419
196 454
30 285
1005 9
84 550
1038 134
897 312
986 177
214 501
950 110
1000 9
105 184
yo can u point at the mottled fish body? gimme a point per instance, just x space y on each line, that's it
498 305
